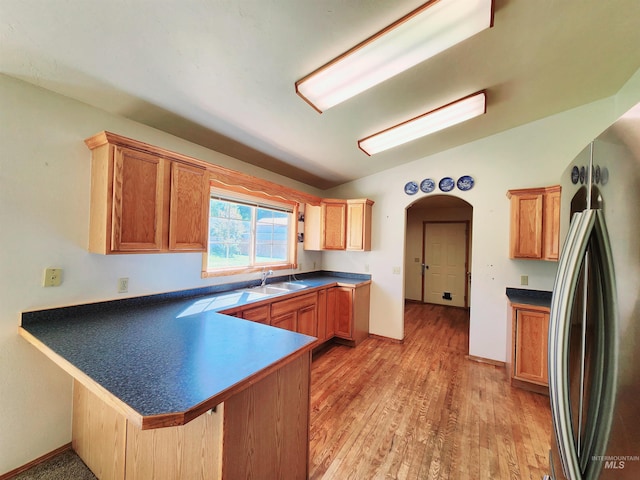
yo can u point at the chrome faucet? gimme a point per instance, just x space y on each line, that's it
264 276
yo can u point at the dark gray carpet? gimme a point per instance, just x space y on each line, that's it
65 466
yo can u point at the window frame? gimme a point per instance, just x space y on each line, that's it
255 199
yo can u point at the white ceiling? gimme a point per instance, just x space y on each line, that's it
221 73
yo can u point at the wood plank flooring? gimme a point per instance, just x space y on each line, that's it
422 410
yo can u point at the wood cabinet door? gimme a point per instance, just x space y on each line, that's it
355 226
526 226
359 225
344 312
322 315
308 321
331 313
136 223
288 321
188 209
334 218
532 331
551 218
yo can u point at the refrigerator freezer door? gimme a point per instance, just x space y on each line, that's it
581 348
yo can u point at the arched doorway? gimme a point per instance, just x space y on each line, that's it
438 251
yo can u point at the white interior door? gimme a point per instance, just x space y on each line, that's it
445 263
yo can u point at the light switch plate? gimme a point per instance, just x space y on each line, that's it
524 279
52 277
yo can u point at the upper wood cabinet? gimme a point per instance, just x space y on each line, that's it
334 224
359 224
338 225
143 202
188 208
535 223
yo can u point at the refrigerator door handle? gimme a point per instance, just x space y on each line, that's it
573 253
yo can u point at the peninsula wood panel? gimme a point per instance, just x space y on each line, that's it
270 426
99 434
193 450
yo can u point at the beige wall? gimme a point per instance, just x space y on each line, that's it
44 213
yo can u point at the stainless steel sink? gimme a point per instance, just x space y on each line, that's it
290 286
275 288
267 290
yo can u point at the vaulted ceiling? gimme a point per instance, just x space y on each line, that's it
221 73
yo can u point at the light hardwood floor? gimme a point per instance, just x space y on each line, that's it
422 410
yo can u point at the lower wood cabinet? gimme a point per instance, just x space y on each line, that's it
340 312
528 350
351 313
298 314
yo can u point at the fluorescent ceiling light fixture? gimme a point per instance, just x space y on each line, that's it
430 122
423 33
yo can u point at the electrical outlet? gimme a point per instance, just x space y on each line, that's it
366 267
314 265
524 279
299 266
123 285
52 277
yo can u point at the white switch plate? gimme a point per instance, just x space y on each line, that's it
396 270
524 279
52 277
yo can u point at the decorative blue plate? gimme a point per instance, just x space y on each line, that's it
465 183
596 174
427 185
575 174
411 188
583 175
447 184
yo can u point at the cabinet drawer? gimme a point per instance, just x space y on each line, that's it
292 305
257 314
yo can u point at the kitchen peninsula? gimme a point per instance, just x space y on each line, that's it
165 386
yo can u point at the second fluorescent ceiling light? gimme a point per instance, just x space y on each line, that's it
428 30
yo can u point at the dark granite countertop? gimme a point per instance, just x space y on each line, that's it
166 354
538 298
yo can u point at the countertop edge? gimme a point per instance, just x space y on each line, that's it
93 386
180 418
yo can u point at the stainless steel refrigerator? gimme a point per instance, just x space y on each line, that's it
594 330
